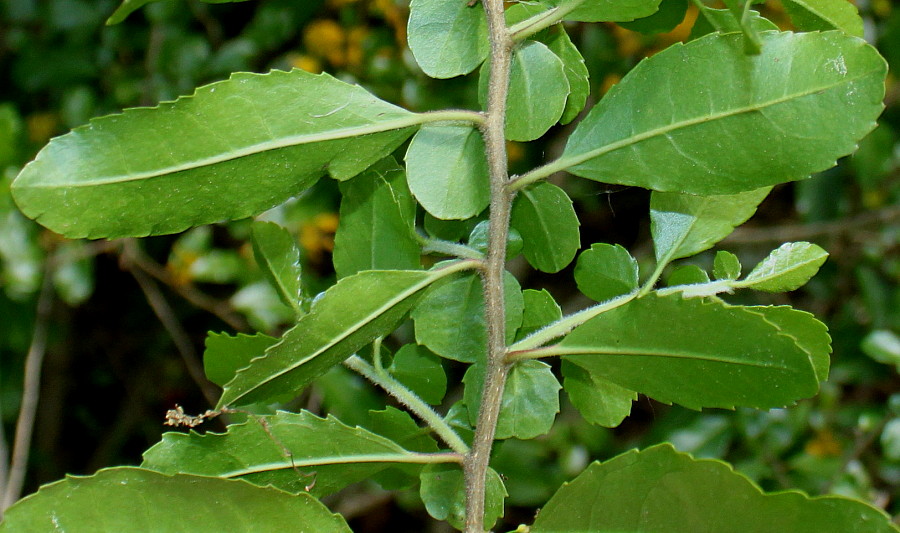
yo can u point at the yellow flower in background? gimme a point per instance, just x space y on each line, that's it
305 62
317 236
326 39
42 126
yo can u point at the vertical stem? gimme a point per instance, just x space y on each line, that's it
476 462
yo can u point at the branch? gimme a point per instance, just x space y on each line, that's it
493 130
31 390
798 232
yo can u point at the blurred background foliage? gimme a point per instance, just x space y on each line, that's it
127 320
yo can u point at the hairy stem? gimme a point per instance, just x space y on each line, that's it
410 400
476 463
543 20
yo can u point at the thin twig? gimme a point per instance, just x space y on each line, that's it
796 232
180 338
31 390
133 255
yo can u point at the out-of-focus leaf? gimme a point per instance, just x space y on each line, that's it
670 14
447 38
447 171
277 254
443 491
660 489
73 277
883 346
129 6
787 268
140 500
651 130
544 216
378 215
290 451
229 151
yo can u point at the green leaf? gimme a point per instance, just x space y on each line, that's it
540 310
447 38
726 265
606 271
277 254
609 10
339 323
669 15
808 333
443 491
530 401
450 317
233 149
740 10
599 401
290 451
722 21
544 216
787 268
687 275
399 426
577 75
683 225
225 355
809 97
883 346
129 6
132 499
699 353
447 171
661 489
378 215
421 371
480 236
823 15
538 91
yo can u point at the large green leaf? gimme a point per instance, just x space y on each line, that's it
378 215
277 254
233 149
700 353
538 91
683 224
787 268
290 451
821 15
544 216
133 499
448 171
447 38
692 118
661 489
343 320
129 6
608 10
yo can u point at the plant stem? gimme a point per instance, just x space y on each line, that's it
452 249
451 115
476 462
410 400
543 20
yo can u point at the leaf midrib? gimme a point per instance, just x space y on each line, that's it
566 350
258 148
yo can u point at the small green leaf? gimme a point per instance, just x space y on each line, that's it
670 15
225 355
421 371
701 353
661 489
606 271
577 75
443 491
538 91
447 38
683 225
129 6
609 10
540 310
234 149
133 499
450 317
687 275
480 235
530 401
726 265
378 216
544 216
722 21
338 324
290 451
824 15
277 254
599 401
787 268
650 130
447 171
